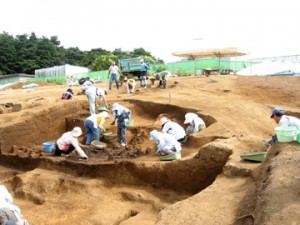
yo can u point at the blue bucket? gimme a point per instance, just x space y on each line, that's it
48 146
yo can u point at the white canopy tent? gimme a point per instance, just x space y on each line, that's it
210 53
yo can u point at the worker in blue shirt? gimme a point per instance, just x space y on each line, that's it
143 77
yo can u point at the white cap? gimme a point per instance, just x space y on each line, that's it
76 132
142 60
163 120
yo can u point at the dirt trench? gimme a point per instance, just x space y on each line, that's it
135 167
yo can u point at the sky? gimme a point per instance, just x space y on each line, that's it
261 28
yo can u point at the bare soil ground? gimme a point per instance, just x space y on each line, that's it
209 185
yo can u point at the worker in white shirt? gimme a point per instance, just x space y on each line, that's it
113 71
283 120
130 85
166 143
195 123
9 213
68 142
173 128
92 93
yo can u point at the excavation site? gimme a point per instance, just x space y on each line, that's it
210 184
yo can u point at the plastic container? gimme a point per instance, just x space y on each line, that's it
102 108
286 134
170 157
98 144
109 136
48 146
129 123
254 156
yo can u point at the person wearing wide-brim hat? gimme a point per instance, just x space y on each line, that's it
68 142
121 114
130 85
195 123
166 143
173 128
94 125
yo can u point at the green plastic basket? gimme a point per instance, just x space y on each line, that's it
285 134
170 157
109 136
98 144
129 123
254 156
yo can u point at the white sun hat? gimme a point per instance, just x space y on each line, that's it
189 118
104 114
163 120
76 132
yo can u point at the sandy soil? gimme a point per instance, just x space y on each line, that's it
209 185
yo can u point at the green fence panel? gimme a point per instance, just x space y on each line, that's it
184 68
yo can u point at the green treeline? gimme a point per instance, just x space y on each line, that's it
26 53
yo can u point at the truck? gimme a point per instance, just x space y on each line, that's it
131 67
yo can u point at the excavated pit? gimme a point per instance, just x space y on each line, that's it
136 165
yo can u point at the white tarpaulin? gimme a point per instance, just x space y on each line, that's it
271 69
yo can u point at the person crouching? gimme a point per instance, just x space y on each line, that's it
94 125
196 123
68 95
68 142
130 85
166 143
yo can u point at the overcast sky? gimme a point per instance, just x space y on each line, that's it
259 27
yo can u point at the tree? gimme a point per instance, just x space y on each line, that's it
7 54
90 56
47 53
137 52
102 62
120 54
73 56
25 53
55 41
